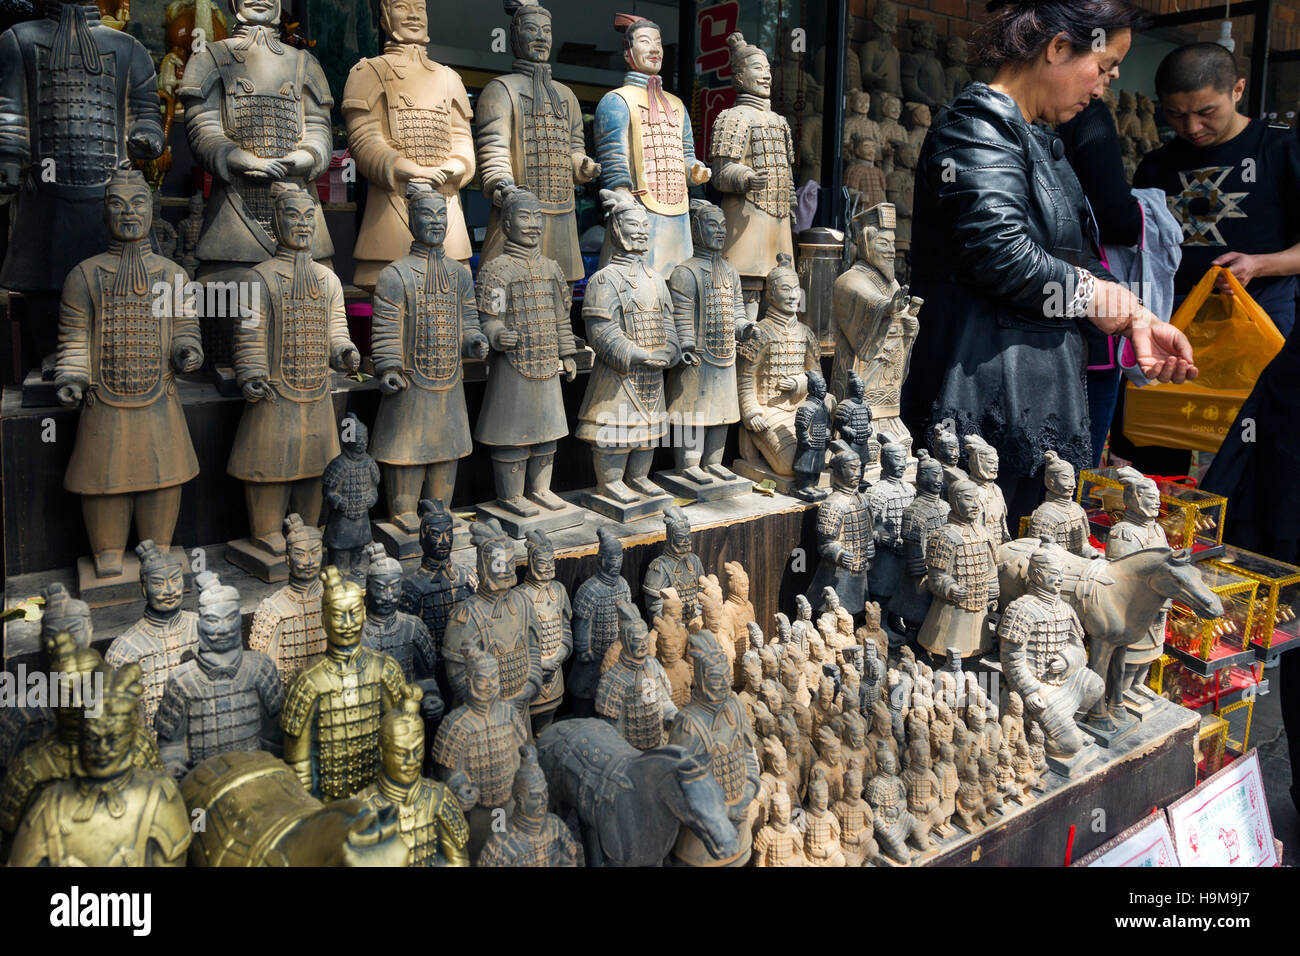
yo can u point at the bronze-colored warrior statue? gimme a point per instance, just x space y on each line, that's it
287 625
1060 515
962 576
333 708
677 566
401 635
550 602
166 635
112 812
408 118
595 620
430 819
532 836
634 694
529 130
119 356
223 698
425 323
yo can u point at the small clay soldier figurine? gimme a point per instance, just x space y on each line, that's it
1013 721
812 427
983 459
963 577
670 638
924 792
529 130
646 148
956 72
634 694
924 81
595 620
742 620
438 584
223 698
283 355
830 752
350 484
857 826
853 424
187 234
1028 777
430 821
677 566
550 602
532 836
401 635
1037 748
946 448
879 57
713 723
888 499
709 310
333 708
628 311
424 324
714 618
802 628
949 782
994 801
752 153
1146 109
896 829
779 842
1043 655
113 812
164 636
821 837
407 118
287 625
896 138
921 119
971 812
772 377
1137 529
859 125
119 349
498 619
863 175
844 535
523 304
923 516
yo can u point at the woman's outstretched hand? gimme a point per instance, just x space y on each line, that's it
1163 353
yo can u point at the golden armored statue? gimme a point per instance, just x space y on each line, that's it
334 707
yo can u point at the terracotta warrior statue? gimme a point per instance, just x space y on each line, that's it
669 639
112 812
78 98
779 842
523 303
1138 529
844 535
350 487
333 708
424 325
532 836
812 428
529 130
430 820
187 234
119 354
962 575
983 460
634 694
752 153
772 376
922 517
853 426
283 355
921 120
924 81
497 619
223 698
956 72
709 311
863 174
595 620
401 635
879 57
822 831
889 499
438 584
628 312
408 118
677 566
1060 515
946 448
550 600
287 625
859 125
857 826
646 148
897 830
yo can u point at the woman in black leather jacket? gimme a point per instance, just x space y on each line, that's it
1002 250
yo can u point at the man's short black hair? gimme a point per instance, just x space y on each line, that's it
1195 67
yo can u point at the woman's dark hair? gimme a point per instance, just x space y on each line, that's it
1018 30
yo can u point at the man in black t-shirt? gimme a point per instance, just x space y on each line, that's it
1233 182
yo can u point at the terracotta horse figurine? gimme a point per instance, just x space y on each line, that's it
1117 602
631 804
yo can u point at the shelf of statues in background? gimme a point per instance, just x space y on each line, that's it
1135 121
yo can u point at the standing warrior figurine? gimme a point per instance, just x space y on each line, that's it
550 601
879 57
1060 515
634 694
287 625
350 484
257 113
889 498
334 707
1138 529
523 302
628 311
532 836
844 535
408 118
772 375
812 428
224 698
923 77
677 566
853 425
402 636
429 818
164 636
79 99
438 584
425 323
924 515
897 831
983 460
497 619
646 148
283 354
595 620
119 352
962 563
752 154
530 134
710 313
946 447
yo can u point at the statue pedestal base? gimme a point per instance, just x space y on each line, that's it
1125 724
614 511
121 588
780 483
1073 766
716 490
262 563
402 546
546 519
1139 700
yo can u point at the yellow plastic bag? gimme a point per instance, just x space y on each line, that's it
1233 339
